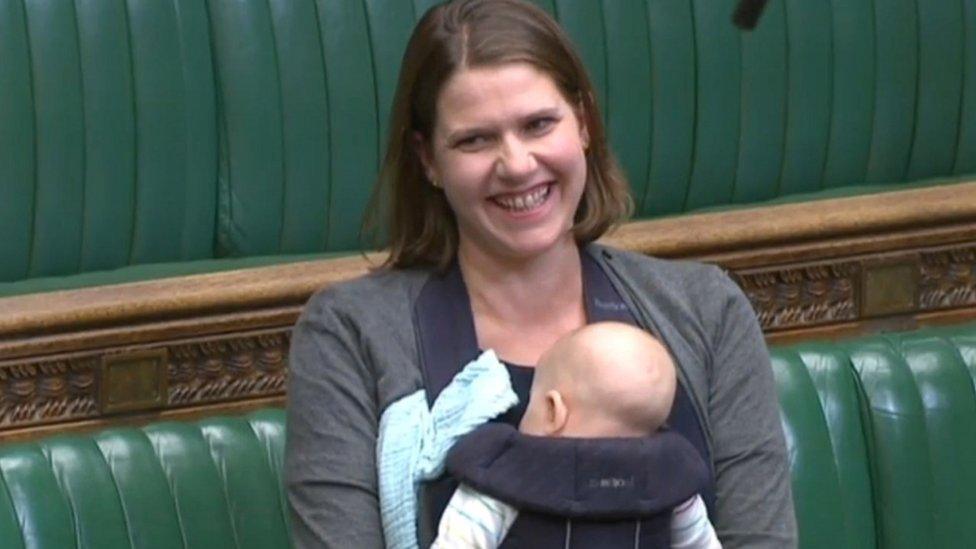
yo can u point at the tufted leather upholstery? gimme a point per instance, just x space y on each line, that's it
144 132
882 439
108 135
881 435
216 483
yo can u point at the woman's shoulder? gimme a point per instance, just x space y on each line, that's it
379 293
689 295
688 278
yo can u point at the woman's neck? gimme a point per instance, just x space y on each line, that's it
521 307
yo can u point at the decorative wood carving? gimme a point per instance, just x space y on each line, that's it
948 278
48 391
788 298
218 370
199 372
794 297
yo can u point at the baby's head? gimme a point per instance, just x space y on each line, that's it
604 380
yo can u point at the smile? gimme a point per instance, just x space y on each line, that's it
525 201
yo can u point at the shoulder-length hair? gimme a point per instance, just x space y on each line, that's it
478 33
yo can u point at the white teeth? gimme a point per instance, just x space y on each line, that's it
524 202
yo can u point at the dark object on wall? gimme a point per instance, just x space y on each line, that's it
747 13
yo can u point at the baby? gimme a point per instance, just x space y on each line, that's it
605 380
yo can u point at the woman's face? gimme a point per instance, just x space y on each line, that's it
509 152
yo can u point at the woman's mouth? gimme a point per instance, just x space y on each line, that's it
526 201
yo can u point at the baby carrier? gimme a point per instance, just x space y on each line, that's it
573 492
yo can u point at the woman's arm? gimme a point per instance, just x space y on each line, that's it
754 501
330 469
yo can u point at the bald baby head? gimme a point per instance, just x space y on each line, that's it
604 380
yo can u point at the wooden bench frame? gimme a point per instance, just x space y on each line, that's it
202 344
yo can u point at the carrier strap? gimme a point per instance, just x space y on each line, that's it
445 324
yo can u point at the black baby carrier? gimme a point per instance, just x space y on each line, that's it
573 492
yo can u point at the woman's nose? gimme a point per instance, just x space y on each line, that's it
516 160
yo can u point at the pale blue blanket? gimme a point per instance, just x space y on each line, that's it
414 439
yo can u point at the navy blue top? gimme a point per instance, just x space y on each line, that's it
521 383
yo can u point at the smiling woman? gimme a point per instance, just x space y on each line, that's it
497 180
508 153
456 54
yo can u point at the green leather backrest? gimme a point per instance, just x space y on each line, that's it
138 132
822 95
108 135
922 410
828 456
208 485
135 132
887 456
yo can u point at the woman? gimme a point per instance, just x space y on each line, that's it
499 179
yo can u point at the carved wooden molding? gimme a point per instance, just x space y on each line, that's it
948 278
199 372
844 290
224 369
47 391
803 296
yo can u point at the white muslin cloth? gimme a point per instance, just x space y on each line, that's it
414 439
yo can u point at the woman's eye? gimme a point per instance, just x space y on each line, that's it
471 142
540 125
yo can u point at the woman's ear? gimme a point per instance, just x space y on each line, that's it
584 132
556 413
421 147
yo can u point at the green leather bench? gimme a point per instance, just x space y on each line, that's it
881 435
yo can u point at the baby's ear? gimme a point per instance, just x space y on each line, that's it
556 413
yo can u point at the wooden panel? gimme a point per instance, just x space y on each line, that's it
196 295
862 287
208 372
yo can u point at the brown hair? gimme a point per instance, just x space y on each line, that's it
478 33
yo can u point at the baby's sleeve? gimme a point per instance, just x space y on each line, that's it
690 527
473 521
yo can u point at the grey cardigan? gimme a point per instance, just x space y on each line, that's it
354 351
